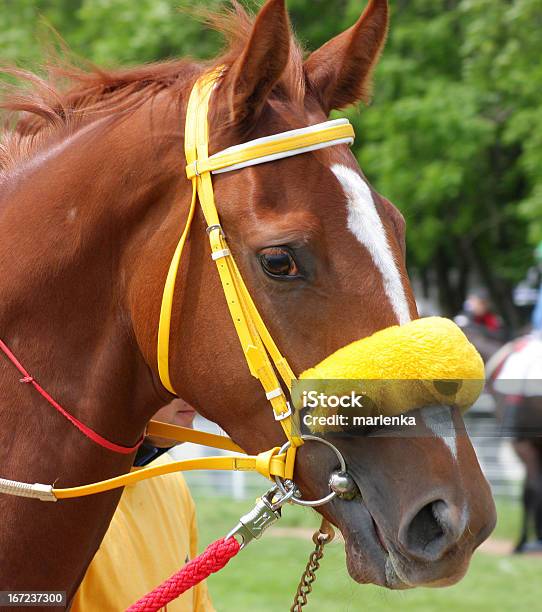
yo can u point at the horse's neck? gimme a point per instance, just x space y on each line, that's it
70 228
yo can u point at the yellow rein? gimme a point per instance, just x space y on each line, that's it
269 463
261 352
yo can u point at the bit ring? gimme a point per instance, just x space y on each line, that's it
285 488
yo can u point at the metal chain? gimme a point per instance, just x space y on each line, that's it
320 538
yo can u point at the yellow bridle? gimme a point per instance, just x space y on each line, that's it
260 351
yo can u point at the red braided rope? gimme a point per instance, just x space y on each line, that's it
211 560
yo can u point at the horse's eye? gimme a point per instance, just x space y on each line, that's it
278 262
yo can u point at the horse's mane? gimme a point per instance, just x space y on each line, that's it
40 109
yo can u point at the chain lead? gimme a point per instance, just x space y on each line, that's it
320 538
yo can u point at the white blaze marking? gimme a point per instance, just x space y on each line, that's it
440 422
366 225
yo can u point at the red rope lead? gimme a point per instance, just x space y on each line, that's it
211 560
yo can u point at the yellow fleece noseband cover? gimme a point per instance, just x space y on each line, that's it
401 368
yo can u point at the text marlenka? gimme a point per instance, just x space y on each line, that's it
343 420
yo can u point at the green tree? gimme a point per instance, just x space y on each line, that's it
454 136
453 139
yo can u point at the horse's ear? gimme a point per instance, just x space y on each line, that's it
340 71
261 63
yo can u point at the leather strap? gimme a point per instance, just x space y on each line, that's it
184 434
278 146
269 464
263 357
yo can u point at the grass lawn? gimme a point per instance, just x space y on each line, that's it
264 577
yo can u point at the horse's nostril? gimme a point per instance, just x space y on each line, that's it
431 531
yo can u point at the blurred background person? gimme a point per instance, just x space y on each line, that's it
483 327
480 313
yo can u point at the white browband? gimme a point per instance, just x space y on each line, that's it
282 154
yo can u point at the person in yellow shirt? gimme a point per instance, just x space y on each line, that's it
152 534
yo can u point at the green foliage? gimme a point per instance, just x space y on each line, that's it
126 32
454 136
108 32
503 52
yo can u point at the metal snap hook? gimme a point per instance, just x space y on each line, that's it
286 486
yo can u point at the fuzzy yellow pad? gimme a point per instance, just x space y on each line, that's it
427 361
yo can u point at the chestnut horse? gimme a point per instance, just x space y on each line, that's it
93 197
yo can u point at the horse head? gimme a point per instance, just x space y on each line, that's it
323 256
93 198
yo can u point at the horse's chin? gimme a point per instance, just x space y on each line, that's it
372 560
367 559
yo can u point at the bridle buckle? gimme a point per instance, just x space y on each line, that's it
216 226
192 169
284 415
